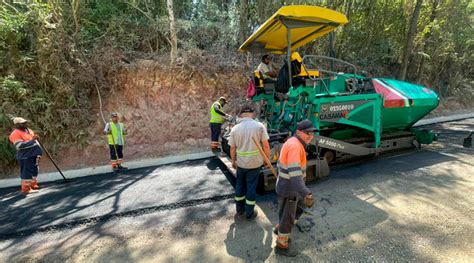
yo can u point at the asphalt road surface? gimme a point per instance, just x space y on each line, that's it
416 206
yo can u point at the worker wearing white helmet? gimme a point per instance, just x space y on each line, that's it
28 154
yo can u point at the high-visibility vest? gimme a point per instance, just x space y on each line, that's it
292 161
216 117
113 128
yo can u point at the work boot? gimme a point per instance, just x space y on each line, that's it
287 252
26 188
34 184
215 150
275 231
253 216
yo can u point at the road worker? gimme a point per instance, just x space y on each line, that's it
266 69
290 187
115 132
247 160
28 154
217 118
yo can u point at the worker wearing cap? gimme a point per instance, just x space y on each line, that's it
247 160
115 132
290 187
28 154
217 118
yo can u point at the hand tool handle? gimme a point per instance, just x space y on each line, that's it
265 158
51 158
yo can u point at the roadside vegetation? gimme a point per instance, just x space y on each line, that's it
55 54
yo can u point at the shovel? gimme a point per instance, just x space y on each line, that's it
468 141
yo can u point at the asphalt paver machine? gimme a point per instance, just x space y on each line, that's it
356 115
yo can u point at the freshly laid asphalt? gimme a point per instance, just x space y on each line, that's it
409 207
103 197
61 205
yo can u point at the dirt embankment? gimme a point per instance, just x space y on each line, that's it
165 110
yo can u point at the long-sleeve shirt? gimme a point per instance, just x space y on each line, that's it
217 108
24 144
292 170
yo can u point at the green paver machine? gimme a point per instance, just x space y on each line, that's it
356 115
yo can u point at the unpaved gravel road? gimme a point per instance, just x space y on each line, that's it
415 207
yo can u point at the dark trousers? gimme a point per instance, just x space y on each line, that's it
28 168
215 131
246 190
288 211
115 155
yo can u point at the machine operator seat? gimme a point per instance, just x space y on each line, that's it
302 71
263 85
299 74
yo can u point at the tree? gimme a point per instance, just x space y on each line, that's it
410 38
426 39
173 33
243 21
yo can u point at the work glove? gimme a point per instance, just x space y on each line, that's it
309 201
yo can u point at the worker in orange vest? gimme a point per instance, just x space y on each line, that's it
28 154
290 187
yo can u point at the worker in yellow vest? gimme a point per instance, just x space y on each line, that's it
217 118
115 132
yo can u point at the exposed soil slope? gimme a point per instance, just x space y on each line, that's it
165 110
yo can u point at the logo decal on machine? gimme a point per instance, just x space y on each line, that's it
332 112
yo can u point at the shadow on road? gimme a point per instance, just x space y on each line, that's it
101 198
347 203
345 215
249 241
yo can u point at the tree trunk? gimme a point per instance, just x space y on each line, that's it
426 39
75 11
173 33
243 21
410 38
348 9
261 7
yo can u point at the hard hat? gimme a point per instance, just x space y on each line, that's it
223 99
19 120
113 114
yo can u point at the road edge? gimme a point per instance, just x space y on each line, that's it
132 165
